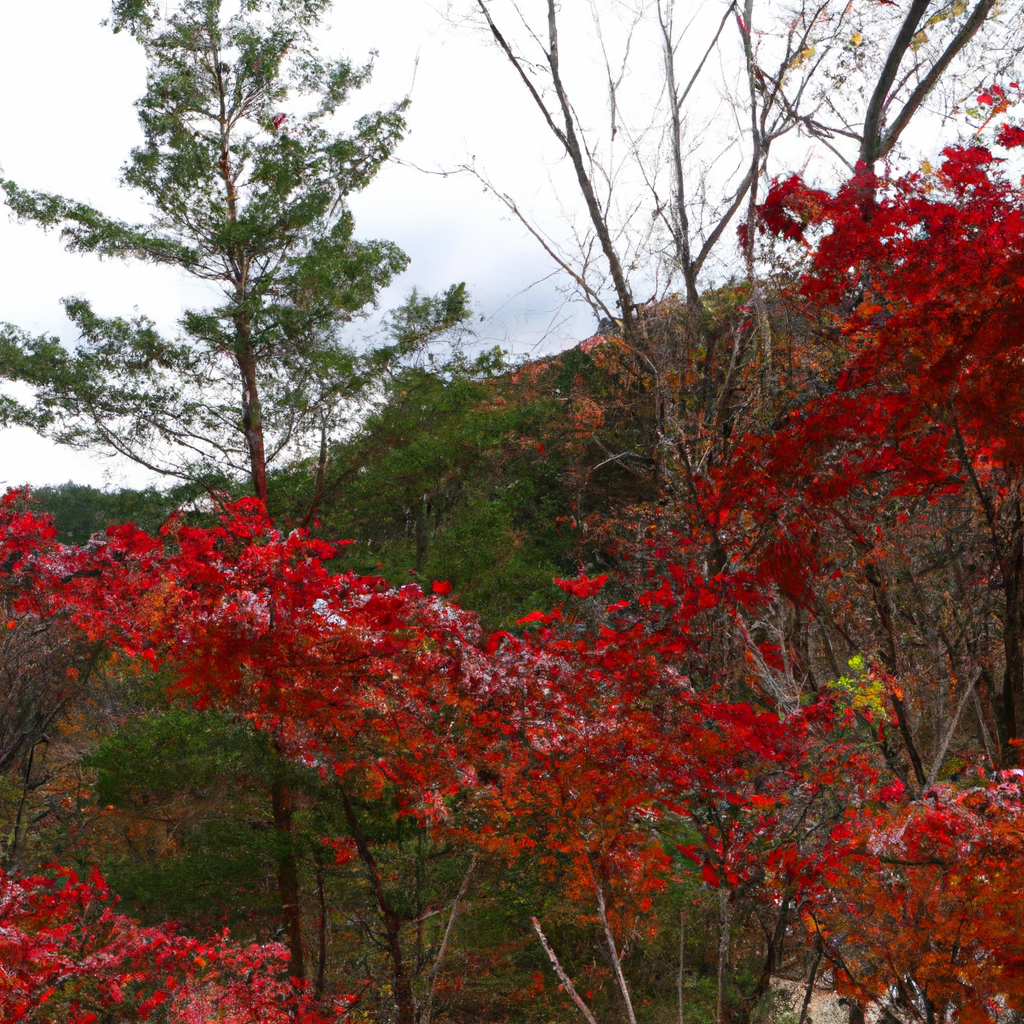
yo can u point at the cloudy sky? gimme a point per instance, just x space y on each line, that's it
67 85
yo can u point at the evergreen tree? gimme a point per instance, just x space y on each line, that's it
80 511
247 180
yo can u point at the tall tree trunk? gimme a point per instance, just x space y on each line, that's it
564 978
819 948
401 982
1013 633
876 143
613 954
871 143
321 930
724 924
988 719
452 918
288 876
679 220
252 417
12 854
773 954
759 145
597 217
929 1006
245 355
566 135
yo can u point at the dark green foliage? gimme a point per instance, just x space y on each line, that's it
447 480
153 758
79 510
186 796
224 874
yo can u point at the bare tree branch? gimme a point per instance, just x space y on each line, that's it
562 976
570 142
967 32
616 965
870 149
452 917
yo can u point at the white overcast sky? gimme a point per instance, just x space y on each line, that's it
67 87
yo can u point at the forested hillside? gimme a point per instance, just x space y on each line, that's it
650 681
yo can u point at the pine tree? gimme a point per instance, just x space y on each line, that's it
247 180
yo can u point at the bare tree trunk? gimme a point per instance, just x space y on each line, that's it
288 876
680 221
401 982
724 924
819 948
773 953
245 355
986 735
597 218
566 135
252 416
876 144
871 143
616 964
452 918
940 753
759 143
25 787
929 1006
567 984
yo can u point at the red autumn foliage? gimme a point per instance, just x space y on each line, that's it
67 955
589 747
940 879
